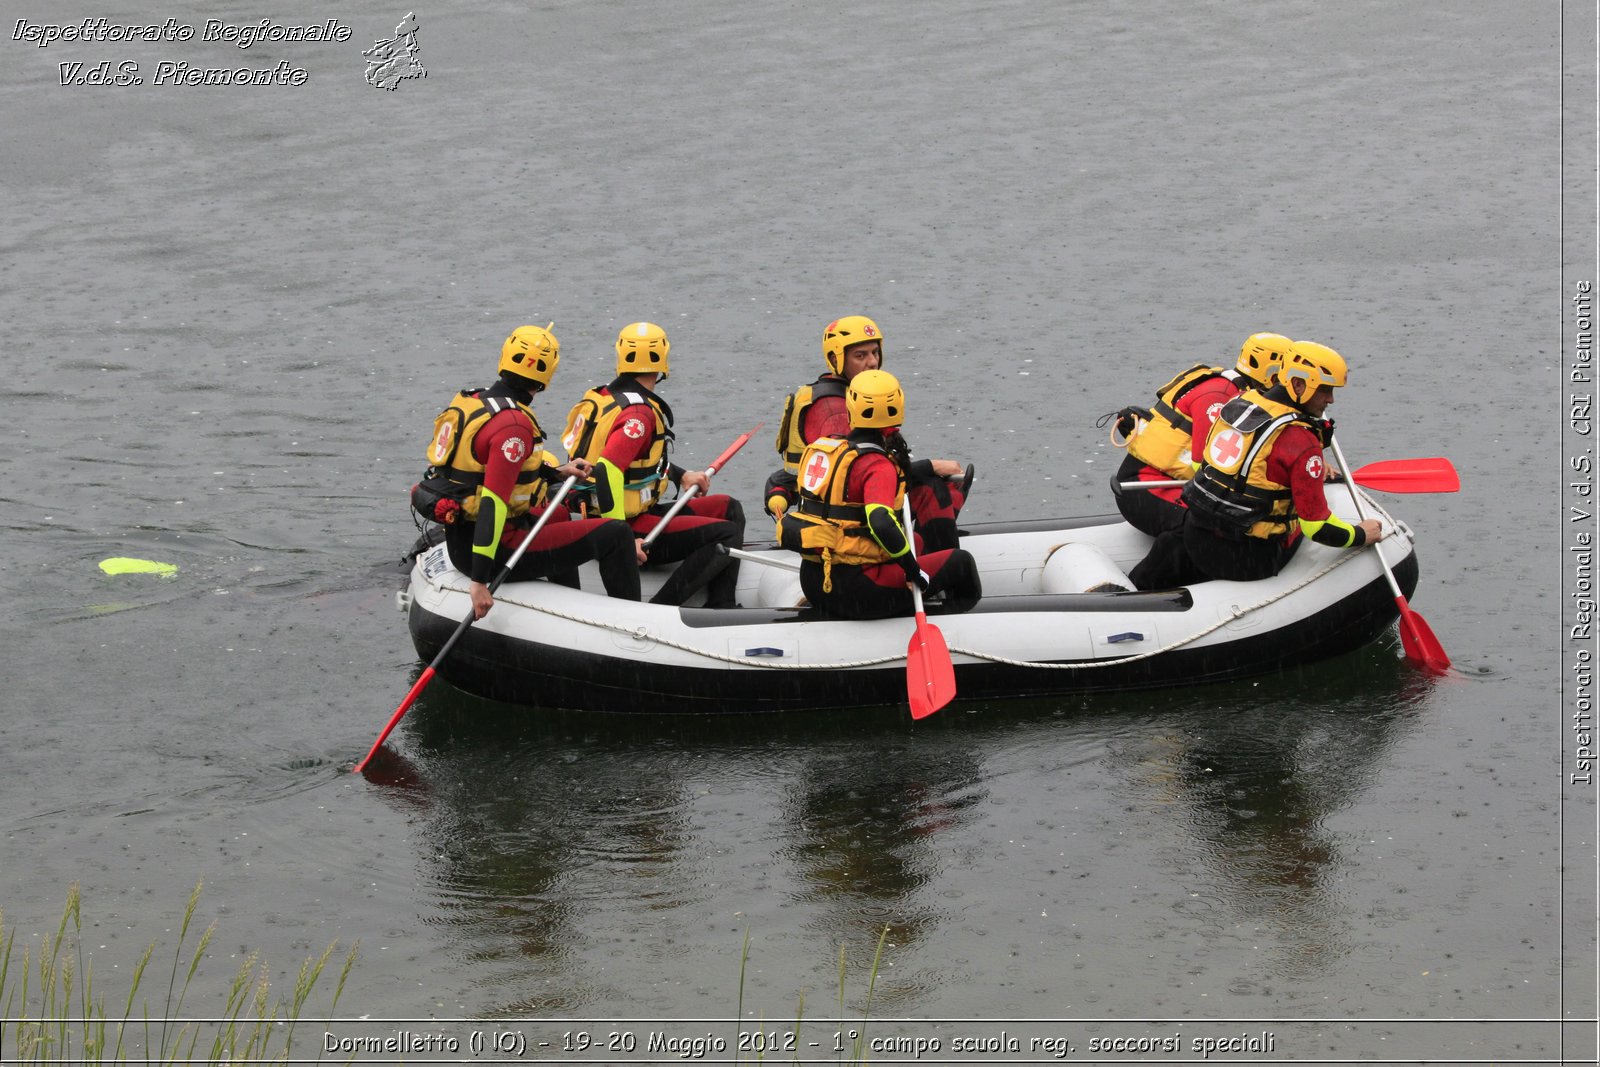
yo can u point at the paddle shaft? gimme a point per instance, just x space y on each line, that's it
1416 636
1361 513
684 497
661 525
781 562
1434 475
427 675
911 547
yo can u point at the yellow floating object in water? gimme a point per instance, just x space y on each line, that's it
127 565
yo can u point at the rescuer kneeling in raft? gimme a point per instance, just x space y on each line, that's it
1260 484
488 477
856 558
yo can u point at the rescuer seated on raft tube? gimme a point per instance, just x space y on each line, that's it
488 477
855 557
625 430
1165 443
850 345
1259 486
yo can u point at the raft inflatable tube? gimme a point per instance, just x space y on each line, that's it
1058 616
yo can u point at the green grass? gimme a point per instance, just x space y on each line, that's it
52 1013
857 1047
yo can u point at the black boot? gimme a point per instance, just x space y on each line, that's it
959 581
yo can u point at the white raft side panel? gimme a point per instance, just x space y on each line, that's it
1009 562
650 632
655 633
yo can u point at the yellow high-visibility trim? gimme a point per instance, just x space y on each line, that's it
497 510
1311 528
614 490
905 538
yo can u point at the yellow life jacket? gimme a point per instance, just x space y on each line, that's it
1163 440
823 525
1231 492
791 444
589 426
454 473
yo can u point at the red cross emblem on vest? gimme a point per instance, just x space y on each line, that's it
441 444
1225 448
816 472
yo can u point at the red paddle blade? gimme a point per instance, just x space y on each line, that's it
1432 475
399 713
930 676
1416 637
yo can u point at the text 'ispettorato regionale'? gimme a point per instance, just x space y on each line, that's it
244 34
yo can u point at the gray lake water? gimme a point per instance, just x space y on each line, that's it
231 312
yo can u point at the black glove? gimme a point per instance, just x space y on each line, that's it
914 573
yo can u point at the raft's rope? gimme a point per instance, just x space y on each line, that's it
642 633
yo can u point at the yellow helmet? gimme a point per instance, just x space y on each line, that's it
642 349
1308 366
1262 355
531 352
840 334
874 399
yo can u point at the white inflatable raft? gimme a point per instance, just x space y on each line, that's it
1058 616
